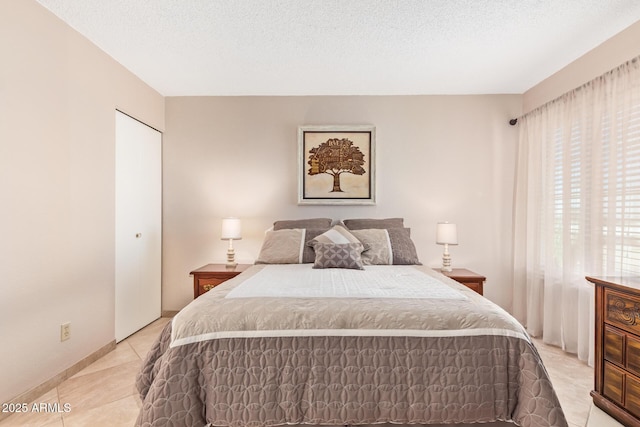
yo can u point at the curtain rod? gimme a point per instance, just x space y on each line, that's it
514 121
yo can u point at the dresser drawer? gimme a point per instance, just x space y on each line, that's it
633 355
632 395
622 310
614 383
614 345
622 388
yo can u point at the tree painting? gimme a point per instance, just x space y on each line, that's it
335 157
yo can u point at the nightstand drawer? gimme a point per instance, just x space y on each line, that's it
209 283
474 286
466 277
211 275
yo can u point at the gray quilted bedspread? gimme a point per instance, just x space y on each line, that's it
282 361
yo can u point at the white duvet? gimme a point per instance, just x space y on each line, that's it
302 281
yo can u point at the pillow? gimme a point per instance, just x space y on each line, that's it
387 246
379 246
404 251
338 255
336 234
303 223
282 247
361 224
308 255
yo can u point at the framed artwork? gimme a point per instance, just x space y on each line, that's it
336 165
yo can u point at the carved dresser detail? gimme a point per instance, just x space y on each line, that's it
617 352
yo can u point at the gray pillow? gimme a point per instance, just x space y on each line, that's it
282 247
338 255
364 223
308 255
387 246
303 223
404 251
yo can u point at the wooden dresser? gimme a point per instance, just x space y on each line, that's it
617 352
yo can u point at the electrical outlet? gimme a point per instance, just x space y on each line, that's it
65 331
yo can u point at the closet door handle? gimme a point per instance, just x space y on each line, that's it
138 235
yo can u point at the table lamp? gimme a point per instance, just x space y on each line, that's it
446 234
231 230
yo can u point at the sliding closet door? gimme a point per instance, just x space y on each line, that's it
138 225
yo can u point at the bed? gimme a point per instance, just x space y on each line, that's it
344 341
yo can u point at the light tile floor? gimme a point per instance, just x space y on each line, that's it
103 394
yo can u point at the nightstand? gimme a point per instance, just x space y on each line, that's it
211 275
467 277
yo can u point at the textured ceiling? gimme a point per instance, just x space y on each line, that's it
345 47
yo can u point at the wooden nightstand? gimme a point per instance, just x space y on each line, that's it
211 275
467 277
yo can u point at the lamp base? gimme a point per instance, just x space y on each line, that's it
446 263
231 263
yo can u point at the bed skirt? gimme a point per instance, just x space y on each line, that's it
493 424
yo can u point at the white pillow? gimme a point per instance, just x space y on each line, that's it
336 234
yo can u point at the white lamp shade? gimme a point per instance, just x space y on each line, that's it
446 233
231 229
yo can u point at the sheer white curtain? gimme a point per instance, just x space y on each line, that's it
577 205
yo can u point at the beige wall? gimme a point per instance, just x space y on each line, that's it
58 94
438 158
609 55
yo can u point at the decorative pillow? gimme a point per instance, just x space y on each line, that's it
365 223
303 223
379 246
402 247
338 255
390 246
282 247
336 234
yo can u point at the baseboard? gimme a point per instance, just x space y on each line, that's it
39 390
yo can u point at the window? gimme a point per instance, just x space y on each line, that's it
577 204
621 201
